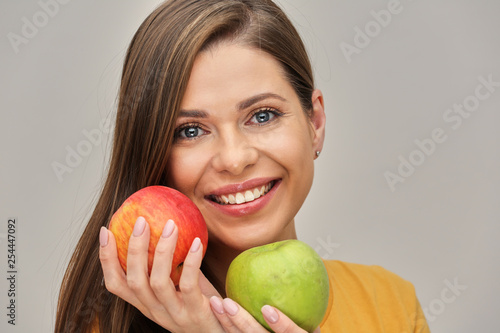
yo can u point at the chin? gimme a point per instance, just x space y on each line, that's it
244 237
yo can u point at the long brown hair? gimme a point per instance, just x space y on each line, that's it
155 74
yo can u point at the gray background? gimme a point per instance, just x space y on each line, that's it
438 228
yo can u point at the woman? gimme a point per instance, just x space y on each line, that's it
218 101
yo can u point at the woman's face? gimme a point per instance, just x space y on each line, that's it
244 148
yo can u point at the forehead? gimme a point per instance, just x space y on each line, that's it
229 73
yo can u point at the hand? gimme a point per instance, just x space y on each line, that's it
236 319
184 310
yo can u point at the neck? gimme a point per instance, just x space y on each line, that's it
216 263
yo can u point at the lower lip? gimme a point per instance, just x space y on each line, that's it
248 207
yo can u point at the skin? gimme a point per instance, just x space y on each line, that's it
225 137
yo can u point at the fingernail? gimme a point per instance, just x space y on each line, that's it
230 306
217 304
270 314
139 226
103 237
168 229
196 245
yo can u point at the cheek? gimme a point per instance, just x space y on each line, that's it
290 146
185 169
291 149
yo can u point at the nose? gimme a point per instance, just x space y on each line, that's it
235 152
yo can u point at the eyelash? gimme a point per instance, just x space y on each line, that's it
183 127
274 112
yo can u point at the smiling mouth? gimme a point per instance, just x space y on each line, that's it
239 198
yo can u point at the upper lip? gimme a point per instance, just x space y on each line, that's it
241 187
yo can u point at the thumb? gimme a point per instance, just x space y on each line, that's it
279 322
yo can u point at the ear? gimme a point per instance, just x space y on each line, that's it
318 121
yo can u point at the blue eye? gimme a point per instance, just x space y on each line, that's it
189 131
263 116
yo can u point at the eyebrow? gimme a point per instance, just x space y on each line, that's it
240 106
257 98
193 114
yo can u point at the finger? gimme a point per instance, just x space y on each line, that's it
278 321
137 255
189 282
137 266
222 316
239 319
160 281
114 277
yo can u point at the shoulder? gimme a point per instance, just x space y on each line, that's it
371 297
368 276
370 283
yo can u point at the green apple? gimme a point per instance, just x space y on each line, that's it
288 275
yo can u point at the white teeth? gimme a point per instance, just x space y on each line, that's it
240 198
248 196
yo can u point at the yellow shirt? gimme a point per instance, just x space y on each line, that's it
370 299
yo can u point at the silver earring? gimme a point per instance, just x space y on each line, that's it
317 153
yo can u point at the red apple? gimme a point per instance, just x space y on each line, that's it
158 204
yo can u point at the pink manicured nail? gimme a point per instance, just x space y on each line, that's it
270 314
103 237
139 226
168 229
230 306
217 304
196 245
